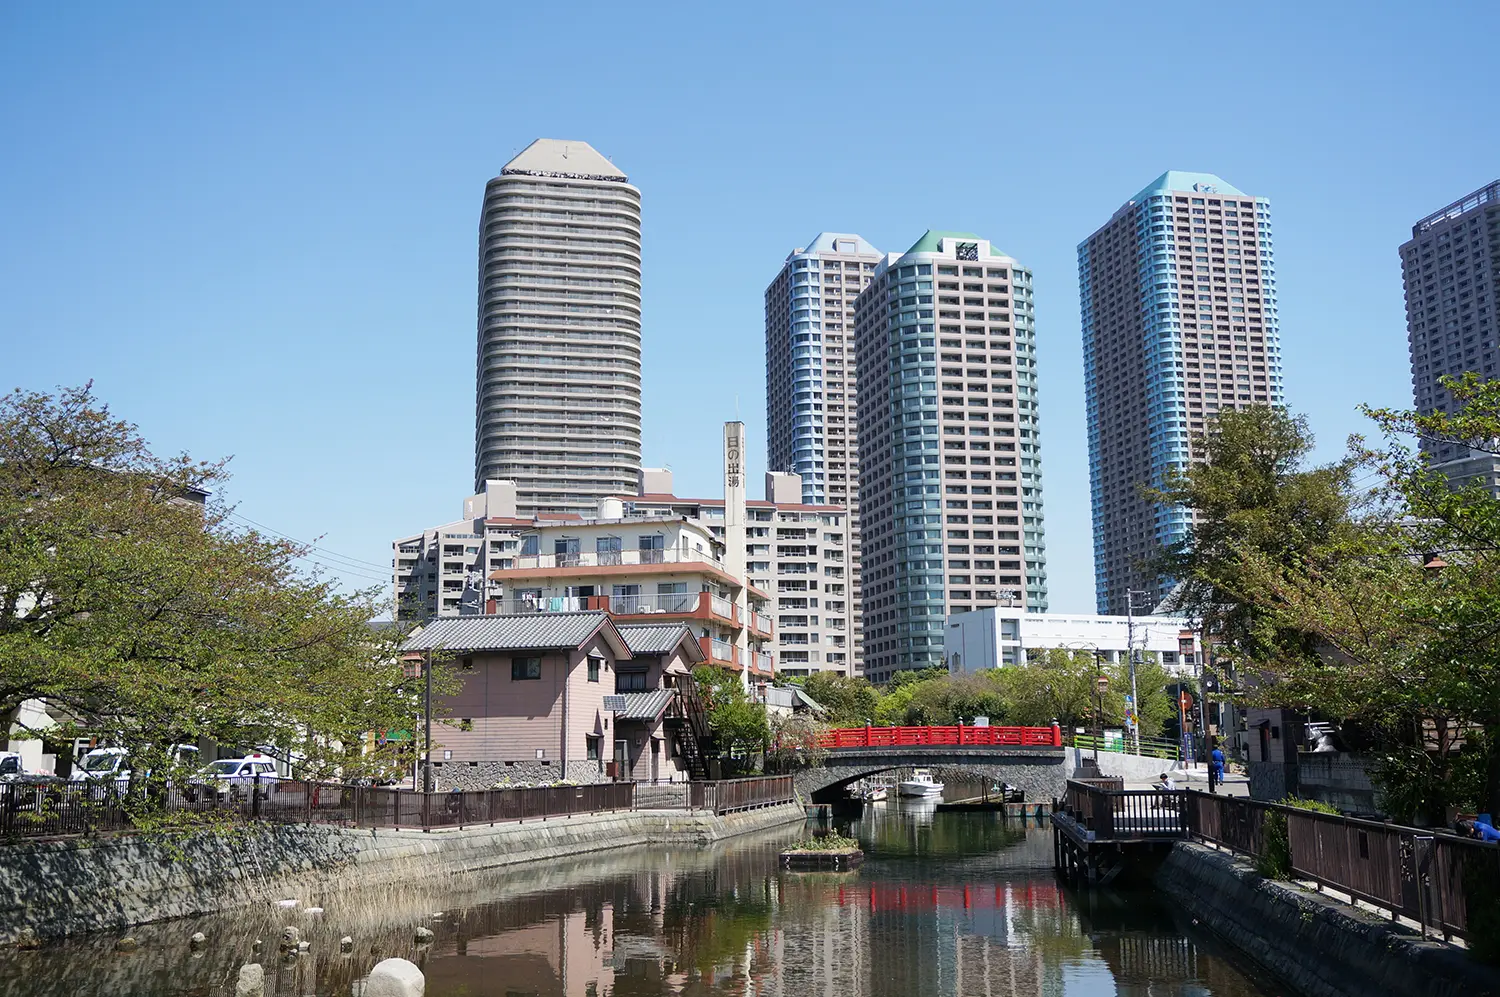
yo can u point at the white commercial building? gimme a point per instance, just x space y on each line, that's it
999 635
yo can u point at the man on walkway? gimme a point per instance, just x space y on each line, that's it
1215 768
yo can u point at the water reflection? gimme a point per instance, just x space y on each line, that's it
946 904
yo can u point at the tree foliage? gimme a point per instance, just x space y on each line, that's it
848 701
738 723
143 617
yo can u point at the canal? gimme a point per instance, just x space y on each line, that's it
945 904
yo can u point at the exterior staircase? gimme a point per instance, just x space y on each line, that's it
688 721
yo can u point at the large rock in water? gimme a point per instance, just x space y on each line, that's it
395 978
252 981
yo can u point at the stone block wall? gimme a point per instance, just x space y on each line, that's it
488 775
1312 943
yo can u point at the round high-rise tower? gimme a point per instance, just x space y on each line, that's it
558 400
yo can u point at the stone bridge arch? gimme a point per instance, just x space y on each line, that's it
1040 771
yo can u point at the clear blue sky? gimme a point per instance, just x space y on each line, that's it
254 226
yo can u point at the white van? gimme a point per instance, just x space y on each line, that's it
104 764
234 777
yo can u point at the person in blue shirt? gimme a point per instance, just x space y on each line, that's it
1216 767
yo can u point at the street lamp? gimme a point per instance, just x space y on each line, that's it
1135 702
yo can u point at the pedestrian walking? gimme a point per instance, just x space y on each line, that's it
1215 768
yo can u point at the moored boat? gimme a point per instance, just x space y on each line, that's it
920 784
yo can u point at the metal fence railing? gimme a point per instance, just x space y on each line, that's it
728 795
1123 814
1425 875
29 811
1147 747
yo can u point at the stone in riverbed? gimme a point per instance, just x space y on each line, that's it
290 936
26 939
126 944
303 946
423 936
252 981
197 939
395 978
346 944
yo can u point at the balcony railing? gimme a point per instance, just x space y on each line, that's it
616 558
722 650
763 662
762 624
722 607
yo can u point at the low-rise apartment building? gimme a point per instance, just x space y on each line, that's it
997 636
800 554
642 569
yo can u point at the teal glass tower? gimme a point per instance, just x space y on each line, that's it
1178 297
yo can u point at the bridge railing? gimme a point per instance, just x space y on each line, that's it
729 795
1119 814
891 737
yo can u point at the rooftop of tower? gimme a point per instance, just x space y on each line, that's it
566 158
829 242
1182 180
929 241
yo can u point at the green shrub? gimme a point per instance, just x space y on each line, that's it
1275 860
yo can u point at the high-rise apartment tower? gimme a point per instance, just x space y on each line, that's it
559 360
1451 268
812 382
949 449
1178 292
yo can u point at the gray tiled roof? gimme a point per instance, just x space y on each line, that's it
652 638
519 632
644 705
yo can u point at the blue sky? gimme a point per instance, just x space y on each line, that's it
254 226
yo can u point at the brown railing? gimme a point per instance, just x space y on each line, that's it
1414 873
81 808
1124 814
728 795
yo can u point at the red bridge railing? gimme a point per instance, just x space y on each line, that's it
882 737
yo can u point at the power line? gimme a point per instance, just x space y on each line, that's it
333 555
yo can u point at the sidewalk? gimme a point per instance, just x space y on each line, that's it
1197 778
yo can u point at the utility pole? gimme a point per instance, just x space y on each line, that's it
427 721
1135 701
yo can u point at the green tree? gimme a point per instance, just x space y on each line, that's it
1406 614
848 701
130 603
795 737
738 723
1250 495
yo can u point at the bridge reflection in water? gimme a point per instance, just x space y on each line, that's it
961 905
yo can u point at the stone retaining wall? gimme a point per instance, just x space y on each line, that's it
66 887
1316 945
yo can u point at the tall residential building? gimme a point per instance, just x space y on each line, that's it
812 383
793 549
1178 292
949 449
1451 268
559 360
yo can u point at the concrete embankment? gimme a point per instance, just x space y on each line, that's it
72 886
1317 945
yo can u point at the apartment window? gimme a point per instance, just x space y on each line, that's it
594 665
592 744
525 668
630 682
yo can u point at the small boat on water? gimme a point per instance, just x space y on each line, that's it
920 784
874 794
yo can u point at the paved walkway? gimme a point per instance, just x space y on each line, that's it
1197 778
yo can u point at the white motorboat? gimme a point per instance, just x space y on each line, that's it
920 784
874 794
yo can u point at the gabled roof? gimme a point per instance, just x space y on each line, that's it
645 705
827 242
659 638
554 157
1182 180
517 632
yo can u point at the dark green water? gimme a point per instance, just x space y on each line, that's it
945 904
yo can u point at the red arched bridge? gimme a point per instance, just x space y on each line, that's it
1030 758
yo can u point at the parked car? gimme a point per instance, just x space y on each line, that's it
14 773
106 764
234 778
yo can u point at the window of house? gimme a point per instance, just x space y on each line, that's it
594 665
525 668
592 743
631 682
